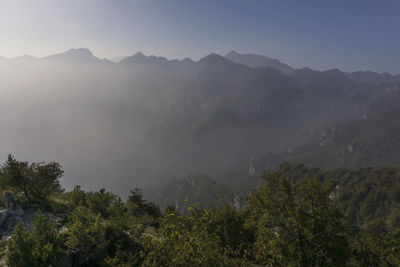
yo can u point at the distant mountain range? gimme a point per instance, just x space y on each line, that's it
148 119
84 55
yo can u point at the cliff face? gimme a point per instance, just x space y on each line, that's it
12 214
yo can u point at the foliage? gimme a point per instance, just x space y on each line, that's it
137 206
182 241
296 223
293 218
366 196
39 247
19 251
37 181
229 226
102 231
85 239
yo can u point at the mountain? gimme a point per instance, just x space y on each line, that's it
140 58
253 61
24 59
373 141
75 56
373 77
367 76
227 113
147 119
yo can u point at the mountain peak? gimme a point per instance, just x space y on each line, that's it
187 60
24 58
140 58
215 62
79 52
139 55
212 58
74 55
232 53
253 61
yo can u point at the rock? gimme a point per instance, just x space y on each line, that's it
238 201
252 169
9 201
12 215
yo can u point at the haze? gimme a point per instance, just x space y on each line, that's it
146 119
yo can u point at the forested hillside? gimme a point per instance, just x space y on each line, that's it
297 216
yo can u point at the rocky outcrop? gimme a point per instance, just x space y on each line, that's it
11 215
238 201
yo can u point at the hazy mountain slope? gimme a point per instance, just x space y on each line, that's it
370 142
373 77
148 119
252 60
76 56
230 113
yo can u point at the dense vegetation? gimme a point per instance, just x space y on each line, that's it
298 216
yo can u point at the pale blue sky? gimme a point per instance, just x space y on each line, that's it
350 35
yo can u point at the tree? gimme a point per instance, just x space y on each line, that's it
296 223
76 198
229 226
19 251
85 239
39 247
183 241
95 241
37 181
105 203
138 206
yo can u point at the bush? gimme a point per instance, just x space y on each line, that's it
39 247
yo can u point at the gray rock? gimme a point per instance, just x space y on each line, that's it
9 201
12 215
238 201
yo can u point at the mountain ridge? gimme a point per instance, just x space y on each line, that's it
82 55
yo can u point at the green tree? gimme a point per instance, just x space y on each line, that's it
76 198
105 203
124 246
391 245
95 241
39 247
229 226
37 181
85 239
138 206
296 223
182 241
19 253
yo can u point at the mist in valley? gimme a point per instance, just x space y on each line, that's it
147 120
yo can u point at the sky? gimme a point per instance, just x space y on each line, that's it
321 34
